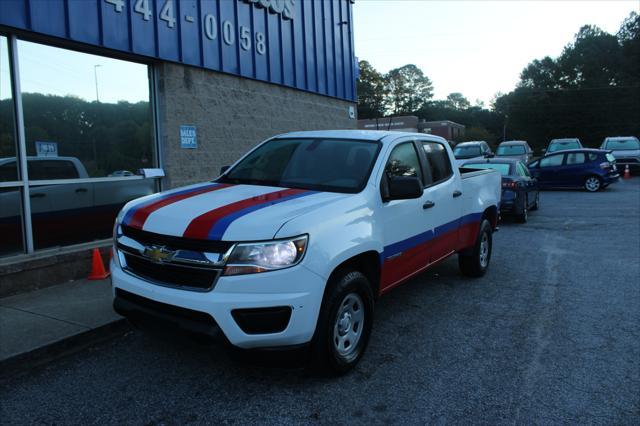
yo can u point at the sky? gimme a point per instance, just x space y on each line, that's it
50 70
477 48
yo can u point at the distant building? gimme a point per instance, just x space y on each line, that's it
407 123
410 123
445 128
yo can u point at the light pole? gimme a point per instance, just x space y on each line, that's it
95 76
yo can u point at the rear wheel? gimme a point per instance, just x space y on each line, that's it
344 323
476 262
592 184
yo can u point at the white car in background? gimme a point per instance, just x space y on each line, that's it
626 150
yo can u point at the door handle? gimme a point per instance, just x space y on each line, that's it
81 190
457 193
428 204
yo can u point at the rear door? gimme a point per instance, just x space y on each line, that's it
443 206
574 168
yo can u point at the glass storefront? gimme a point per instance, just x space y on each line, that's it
88 130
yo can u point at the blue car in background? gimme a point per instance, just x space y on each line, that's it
591 169
520 191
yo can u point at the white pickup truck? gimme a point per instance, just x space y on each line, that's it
293 243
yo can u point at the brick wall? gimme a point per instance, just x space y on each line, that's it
231 115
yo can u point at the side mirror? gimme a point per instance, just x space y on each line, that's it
224 169
404 188
489 155
543 150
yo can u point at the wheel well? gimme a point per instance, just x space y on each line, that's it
367 263
491 214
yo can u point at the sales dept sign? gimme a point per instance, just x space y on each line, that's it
188 137
284 8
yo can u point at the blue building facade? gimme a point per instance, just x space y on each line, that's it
304 44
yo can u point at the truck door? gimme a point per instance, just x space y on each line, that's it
406 234
442 208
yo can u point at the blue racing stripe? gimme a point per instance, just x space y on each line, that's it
416 240
220 227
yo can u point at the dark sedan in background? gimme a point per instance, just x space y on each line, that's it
591 169
519 189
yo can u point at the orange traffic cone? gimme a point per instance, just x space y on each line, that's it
97 267
627 172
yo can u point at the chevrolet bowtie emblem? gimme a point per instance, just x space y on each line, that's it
158 254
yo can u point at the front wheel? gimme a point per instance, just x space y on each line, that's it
344 323
476 262
592 184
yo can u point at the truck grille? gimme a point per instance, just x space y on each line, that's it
171 274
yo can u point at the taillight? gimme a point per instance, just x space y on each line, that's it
510 185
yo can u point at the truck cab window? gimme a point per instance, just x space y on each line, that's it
438 161
403 161
52 169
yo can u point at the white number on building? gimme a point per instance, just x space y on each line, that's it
245 38
210 27
167 15
228 33
142 7
261 47
117 4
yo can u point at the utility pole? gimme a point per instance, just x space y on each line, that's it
95 76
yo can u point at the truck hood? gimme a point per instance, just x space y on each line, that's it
214 211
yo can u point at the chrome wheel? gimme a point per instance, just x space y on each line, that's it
348 326
484 250
592 184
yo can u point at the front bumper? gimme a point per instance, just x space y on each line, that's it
296 291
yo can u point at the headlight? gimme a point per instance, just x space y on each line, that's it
251 258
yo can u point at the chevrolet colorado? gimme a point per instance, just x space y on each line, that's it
292 244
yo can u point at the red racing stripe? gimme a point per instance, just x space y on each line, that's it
200 226
140 216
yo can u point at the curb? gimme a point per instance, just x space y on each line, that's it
21 363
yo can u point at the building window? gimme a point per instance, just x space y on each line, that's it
88 130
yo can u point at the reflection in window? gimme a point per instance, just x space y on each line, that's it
554 160
438 160
80 212
8 171
90 109
403 161
10 221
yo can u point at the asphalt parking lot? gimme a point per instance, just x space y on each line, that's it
550 335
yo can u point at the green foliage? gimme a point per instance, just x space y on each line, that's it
409 89
457 101
372 92
105 137
592 90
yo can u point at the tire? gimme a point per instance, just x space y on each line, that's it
593 184
346 314
476 262
524 216
536 205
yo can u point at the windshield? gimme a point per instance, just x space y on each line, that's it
334 165
511 150
630 144
501 167
467 151
563 145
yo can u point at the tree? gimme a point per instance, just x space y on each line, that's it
371 92
541 73
457 101
408 89
629 39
